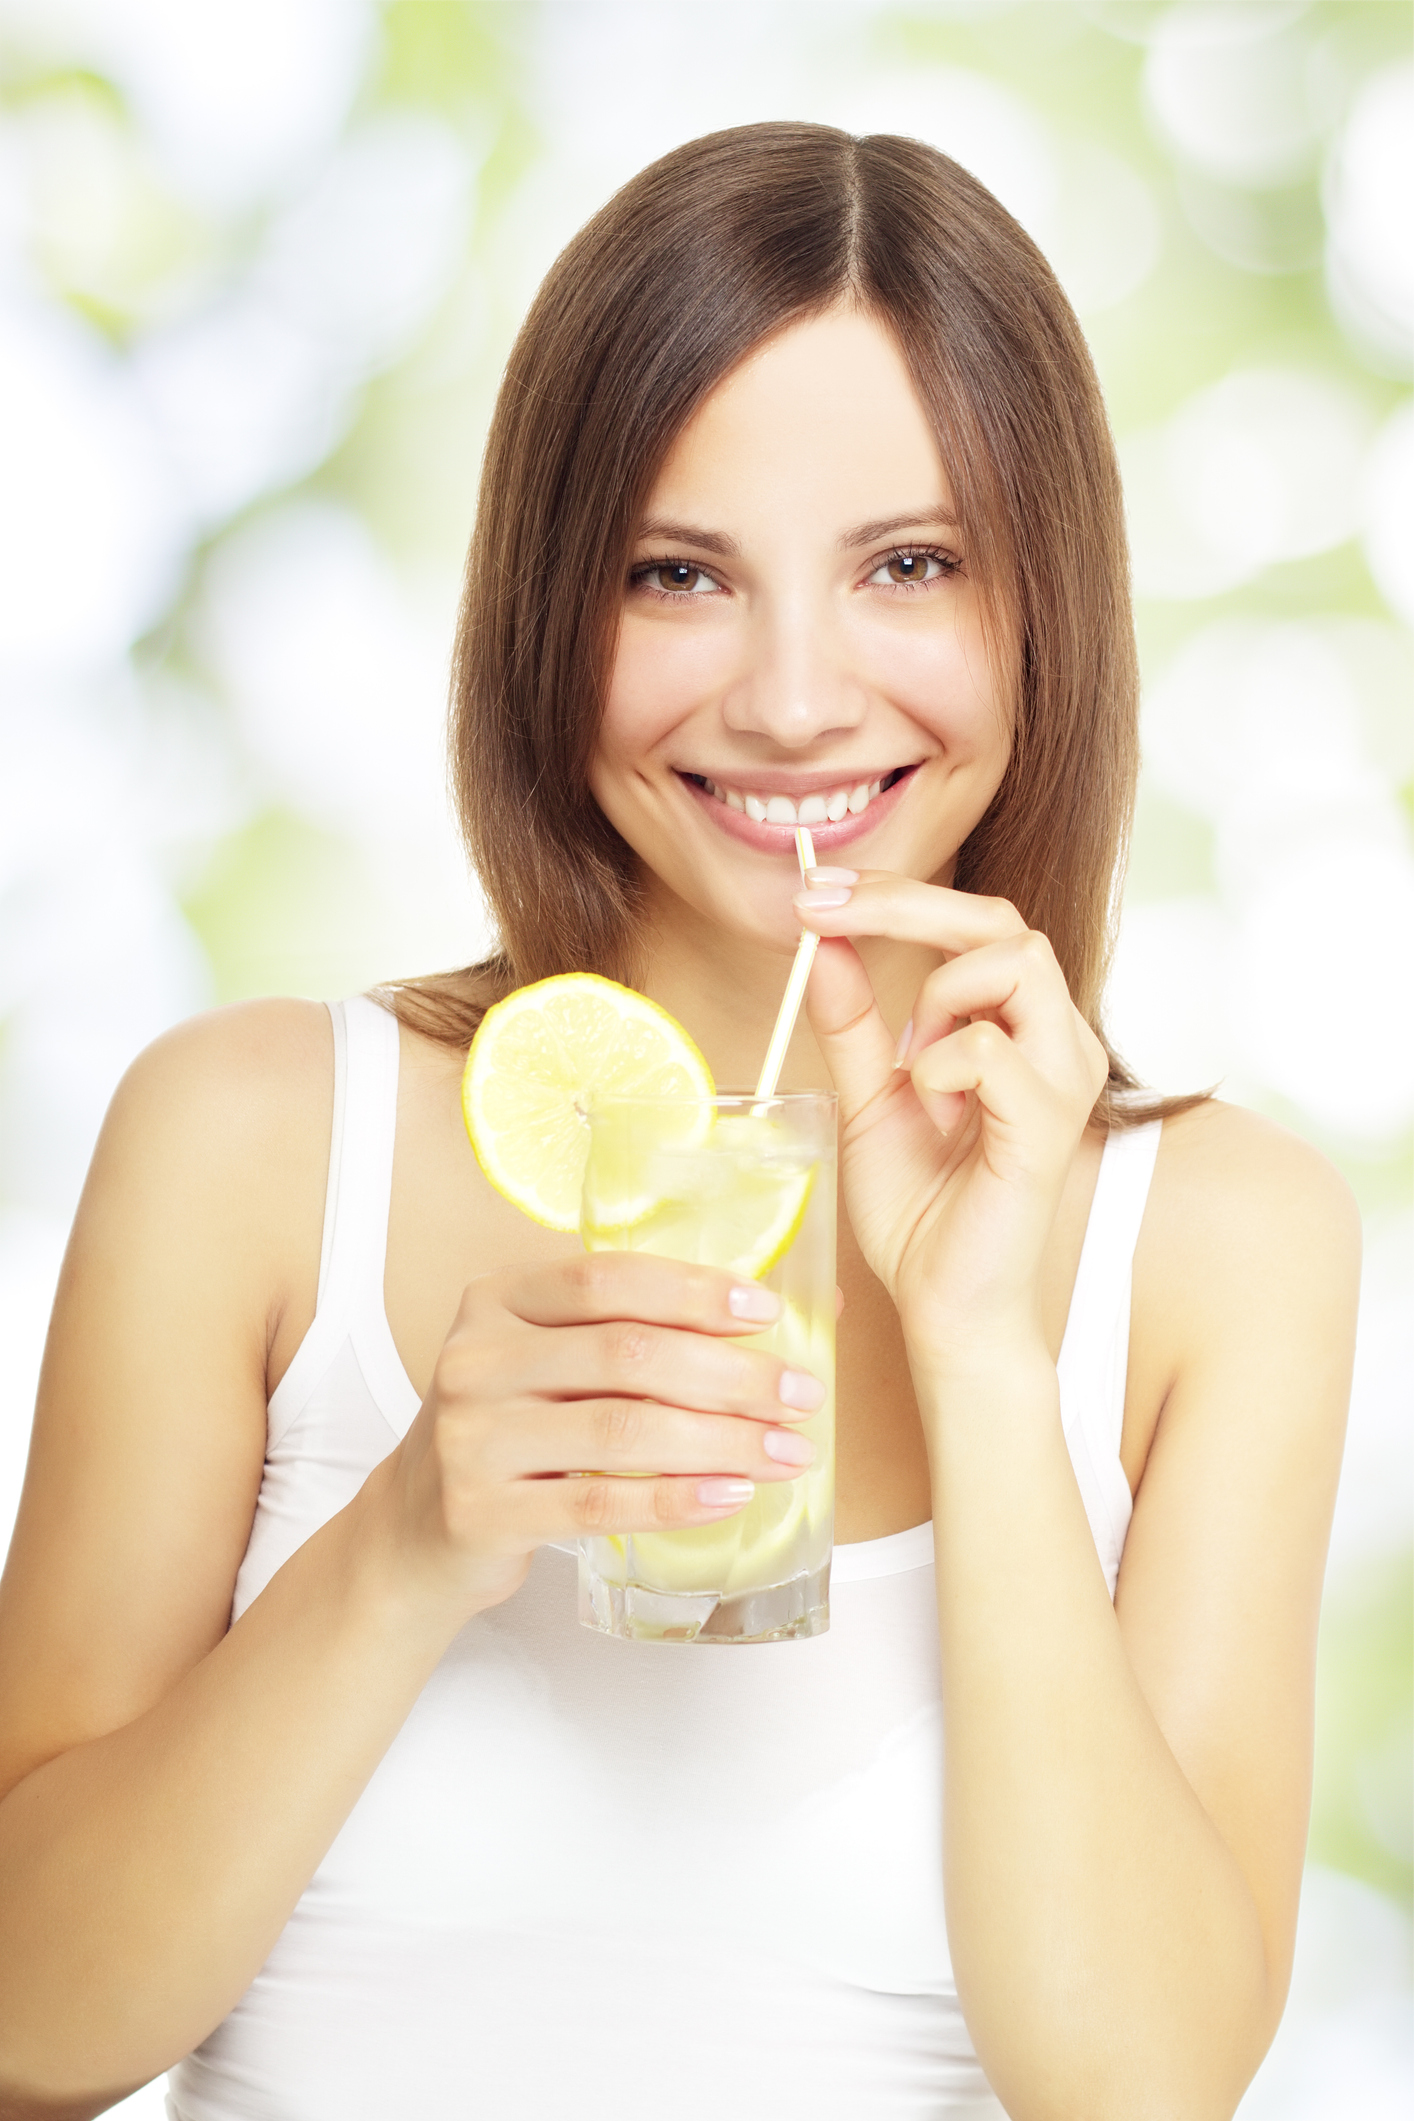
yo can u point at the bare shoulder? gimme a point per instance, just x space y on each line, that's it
1250 1245
1238 1199
220 1131
223 1121
197 1234
1221 1153
234 1077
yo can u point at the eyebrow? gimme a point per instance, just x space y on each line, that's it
933 518
929 518
690 534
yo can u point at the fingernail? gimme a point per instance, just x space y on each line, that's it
786 1448
749 1300
724 1494
800 1390
904 1037
832 876
817 901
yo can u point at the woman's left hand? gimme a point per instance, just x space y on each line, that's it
953 1159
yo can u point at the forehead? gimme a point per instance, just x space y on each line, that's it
823 417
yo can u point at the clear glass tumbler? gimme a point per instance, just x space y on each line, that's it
747 1184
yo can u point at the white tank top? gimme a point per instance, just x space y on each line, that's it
607 1879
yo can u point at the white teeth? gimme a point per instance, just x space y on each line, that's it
810 810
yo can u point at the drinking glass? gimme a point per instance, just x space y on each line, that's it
745 1183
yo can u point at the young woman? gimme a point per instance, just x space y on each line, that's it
799 497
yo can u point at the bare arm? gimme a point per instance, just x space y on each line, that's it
1126 1786
135 1729
1128 1789
172 1784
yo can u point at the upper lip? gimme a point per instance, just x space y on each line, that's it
782 780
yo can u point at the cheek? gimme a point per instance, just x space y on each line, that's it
942 678
660 674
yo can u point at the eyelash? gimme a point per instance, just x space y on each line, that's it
947 561
639 576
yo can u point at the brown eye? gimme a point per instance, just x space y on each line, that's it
677 575
905 570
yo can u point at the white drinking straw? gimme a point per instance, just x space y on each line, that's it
795 985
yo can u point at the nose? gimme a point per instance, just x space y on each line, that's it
796 685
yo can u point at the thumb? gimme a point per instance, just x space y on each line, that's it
848 1028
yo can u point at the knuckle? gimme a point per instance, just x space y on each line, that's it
484 1307
1036 948
618 1424
594 1504
473 1297
451 1373
630 1345
461 1435
986 1039
589 1279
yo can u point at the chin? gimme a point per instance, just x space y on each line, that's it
773 928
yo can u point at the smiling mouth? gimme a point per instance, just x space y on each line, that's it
822 806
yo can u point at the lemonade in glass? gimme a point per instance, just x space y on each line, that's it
746 1184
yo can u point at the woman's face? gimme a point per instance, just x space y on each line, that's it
801 641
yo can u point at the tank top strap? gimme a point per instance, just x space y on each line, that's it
349 1317
1093 1365
1099 1302
360 1157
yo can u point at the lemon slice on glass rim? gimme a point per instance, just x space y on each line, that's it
672 1176
543 1055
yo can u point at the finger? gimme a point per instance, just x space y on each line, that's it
1017 980
630 1360
629 1436
600 1286
882 903
855 1042
981 1059
538 1510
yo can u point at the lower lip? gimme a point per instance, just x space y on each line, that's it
780 839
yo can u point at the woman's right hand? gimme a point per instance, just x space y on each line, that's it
557 1384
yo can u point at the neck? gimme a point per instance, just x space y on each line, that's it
725 992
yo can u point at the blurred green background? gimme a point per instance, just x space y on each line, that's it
259 271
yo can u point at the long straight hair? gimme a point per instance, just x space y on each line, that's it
708 252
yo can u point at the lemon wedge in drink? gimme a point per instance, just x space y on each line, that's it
711 1557
734 1198
538 1060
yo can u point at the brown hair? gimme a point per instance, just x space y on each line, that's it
690 266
